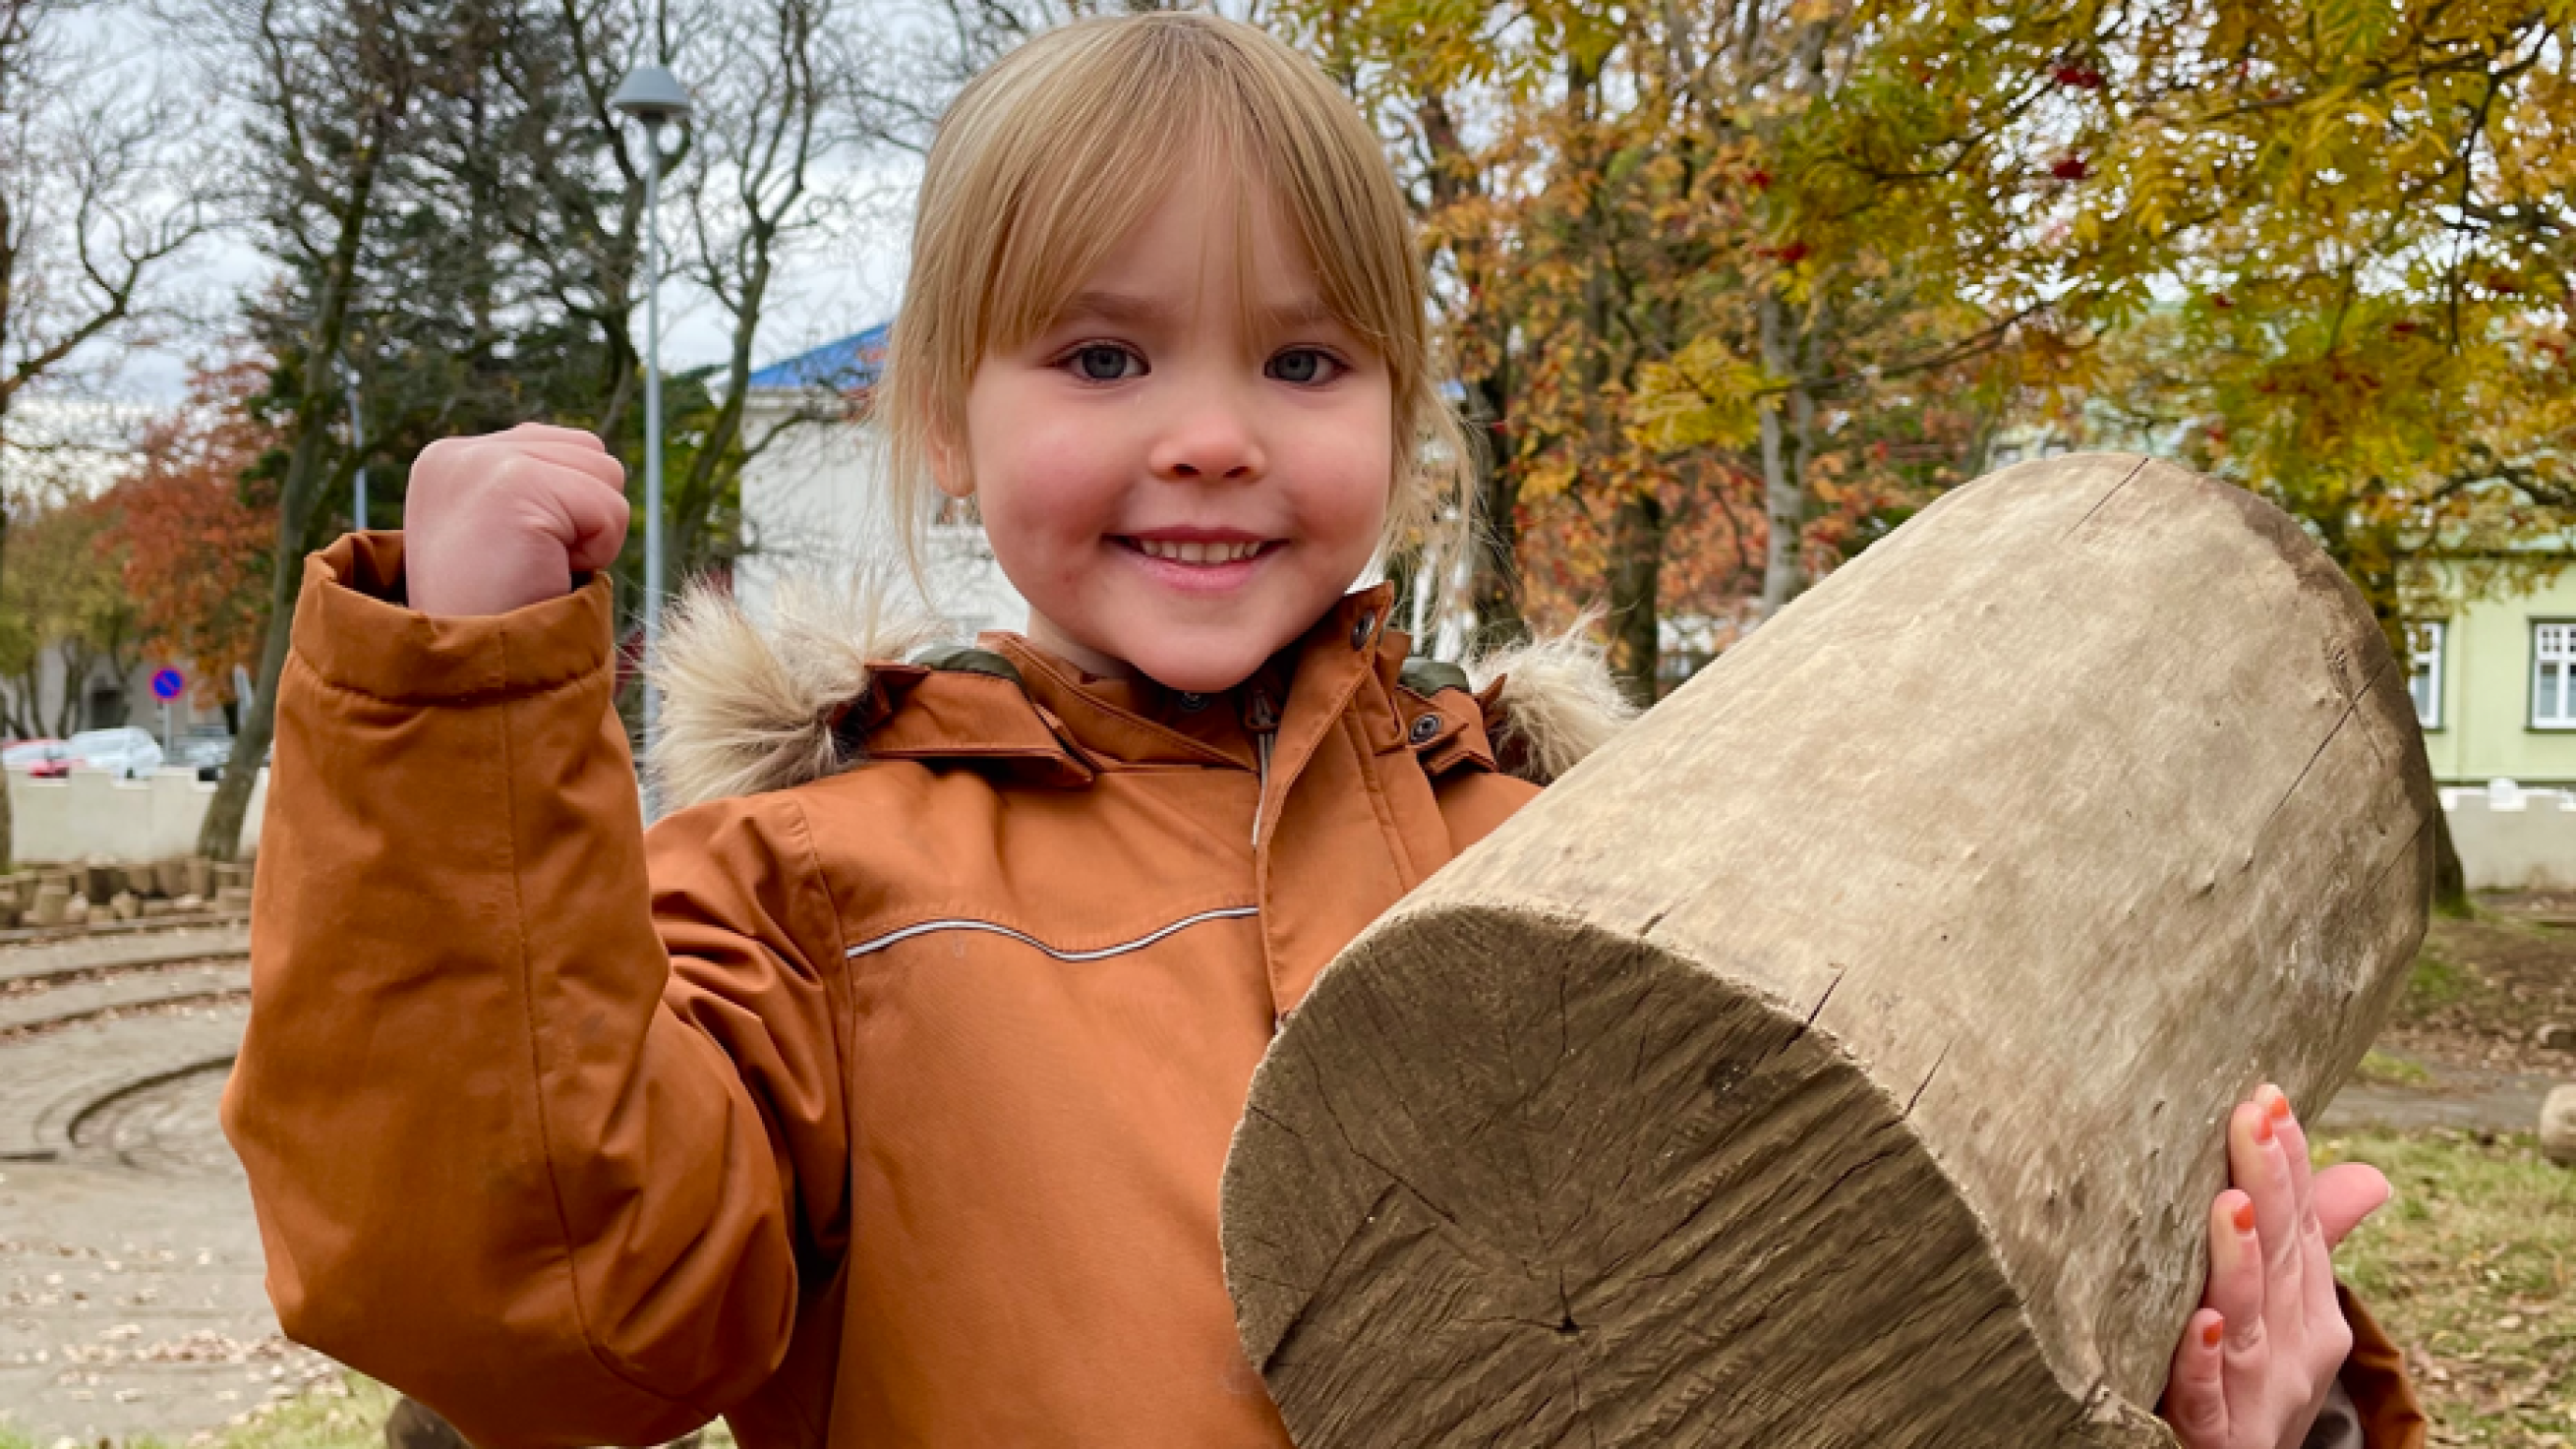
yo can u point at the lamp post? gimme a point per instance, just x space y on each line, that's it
357 446
655 97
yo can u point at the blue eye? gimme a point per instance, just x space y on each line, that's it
1104 362
1303 365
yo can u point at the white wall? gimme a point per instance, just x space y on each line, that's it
2511 839
95 813
813 506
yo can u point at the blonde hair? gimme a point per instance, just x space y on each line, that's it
1050 157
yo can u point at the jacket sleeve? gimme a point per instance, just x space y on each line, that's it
2384 1409
544 1124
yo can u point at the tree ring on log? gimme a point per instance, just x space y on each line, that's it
1571 1192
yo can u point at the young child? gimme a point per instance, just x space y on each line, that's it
880 1096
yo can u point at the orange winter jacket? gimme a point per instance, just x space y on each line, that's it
881 1101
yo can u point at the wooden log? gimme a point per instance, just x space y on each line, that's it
1841 1056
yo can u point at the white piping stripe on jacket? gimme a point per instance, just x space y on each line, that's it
925 928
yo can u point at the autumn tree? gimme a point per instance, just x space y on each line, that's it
64 616
1694 248
2366 220
194 531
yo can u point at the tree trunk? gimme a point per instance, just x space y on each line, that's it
1842 1056
219 837
1494 585
1636 572
2450 878
1784 457
8 823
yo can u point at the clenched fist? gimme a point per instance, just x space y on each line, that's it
505 520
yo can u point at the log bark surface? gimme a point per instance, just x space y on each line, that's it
1840 1057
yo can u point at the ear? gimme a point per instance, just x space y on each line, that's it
949 467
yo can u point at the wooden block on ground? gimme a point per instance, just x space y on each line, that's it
52 903
1840 1056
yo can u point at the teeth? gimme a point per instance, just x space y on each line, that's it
1196 553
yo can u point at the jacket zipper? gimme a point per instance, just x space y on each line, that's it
1261 717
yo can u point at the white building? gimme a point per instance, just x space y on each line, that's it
814 501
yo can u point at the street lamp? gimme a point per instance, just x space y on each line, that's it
357 446
655 97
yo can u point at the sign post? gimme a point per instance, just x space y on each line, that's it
166 687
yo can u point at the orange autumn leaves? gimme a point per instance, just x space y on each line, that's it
191 532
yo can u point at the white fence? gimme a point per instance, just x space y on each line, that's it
2513 839
93 813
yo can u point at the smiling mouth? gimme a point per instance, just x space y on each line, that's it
1193 551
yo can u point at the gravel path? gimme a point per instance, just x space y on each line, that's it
31 964
130 1270
2465 1099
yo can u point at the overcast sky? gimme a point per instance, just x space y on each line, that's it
815 298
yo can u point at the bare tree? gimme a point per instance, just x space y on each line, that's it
96 201
783 115
331 84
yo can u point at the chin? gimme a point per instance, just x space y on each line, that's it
1209 667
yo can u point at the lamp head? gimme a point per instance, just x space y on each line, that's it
652 95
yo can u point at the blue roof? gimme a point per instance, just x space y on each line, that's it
854 362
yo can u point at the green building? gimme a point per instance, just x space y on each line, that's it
2495 688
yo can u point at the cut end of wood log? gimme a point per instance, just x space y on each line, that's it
1594 1196
1841 1056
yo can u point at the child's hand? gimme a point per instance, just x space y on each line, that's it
502 521
2257 1359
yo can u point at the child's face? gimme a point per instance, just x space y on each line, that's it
1173 497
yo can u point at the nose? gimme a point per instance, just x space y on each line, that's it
1209 436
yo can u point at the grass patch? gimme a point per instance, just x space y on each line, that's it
2435 982
2391 1070
2473 1270
349 1414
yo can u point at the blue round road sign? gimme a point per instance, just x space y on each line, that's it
167 683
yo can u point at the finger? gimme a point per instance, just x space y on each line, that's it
549 433
2195 1388
2347 1193
588 462
598 518
2317 1306
2261 1169
2236 1293
2294 1143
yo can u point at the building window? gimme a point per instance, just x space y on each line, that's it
2424 654
2553 676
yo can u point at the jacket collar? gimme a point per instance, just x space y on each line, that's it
1059 723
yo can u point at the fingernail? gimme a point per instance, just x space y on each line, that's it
2278 1106
2212 1332
2263 1129
2243 1217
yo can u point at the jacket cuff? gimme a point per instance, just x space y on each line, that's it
354 630
2374 1375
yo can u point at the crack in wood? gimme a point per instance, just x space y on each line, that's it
2351 708
2104 499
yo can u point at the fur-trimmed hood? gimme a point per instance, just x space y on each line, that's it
748 708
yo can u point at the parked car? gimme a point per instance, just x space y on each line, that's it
207 754
41 759
129 750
